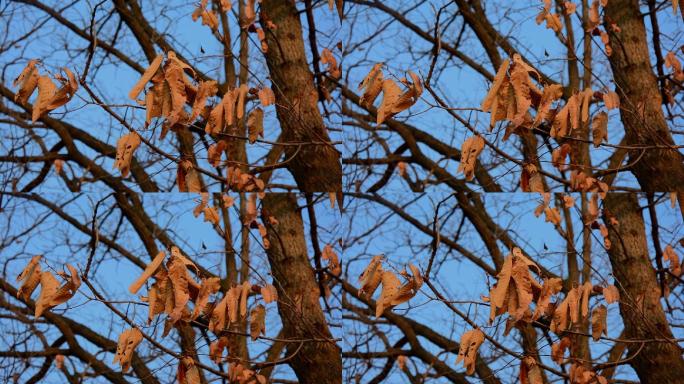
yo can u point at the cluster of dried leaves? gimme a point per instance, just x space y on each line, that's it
180 101
174 288
49 96
393 291
52 293
394 99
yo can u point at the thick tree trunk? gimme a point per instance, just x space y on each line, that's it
316 168
640 101
298 295
642 313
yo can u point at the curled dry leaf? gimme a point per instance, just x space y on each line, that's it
59 362
330 255
670 255
208 287
370 278
128 341
550 94
599 128
531 180
216 349
328 59
188 373
30 278
262 38
52 294
611 100
27 82
401 362
211 215
530 373
215 152
255 125
498 95
467 352
125 148
269 293
568 201
244 295
550 288
390 287
552 215
147 76
598 322
570 7
470 150
188 177
150 269
205 90
611 294
558 349
671 61
266 96
559 155
257 321
178 276
372 86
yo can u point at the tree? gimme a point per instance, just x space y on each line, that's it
511 174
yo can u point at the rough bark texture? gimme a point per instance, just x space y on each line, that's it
642 313
641 103
298 295
316 168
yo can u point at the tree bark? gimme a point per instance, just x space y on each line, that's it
642 313
298 294
316 167
660 169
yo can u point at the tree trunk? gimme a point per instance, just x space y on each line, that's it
642 313
316 168
640 101
298 294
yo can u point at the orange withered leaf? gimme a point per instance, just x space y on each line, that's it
269 293
30 278
216 349
266 96
611 294
550 287
467 352
150 269
530 373
598 322
370 278
244 295
670 255
48 287
128 341
611 100
390 287
372 86
147 76
470 150
255 125
188 177
328 59
257 321
125 148
550 94
599 128
188 373
208 287
27 82
558 349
